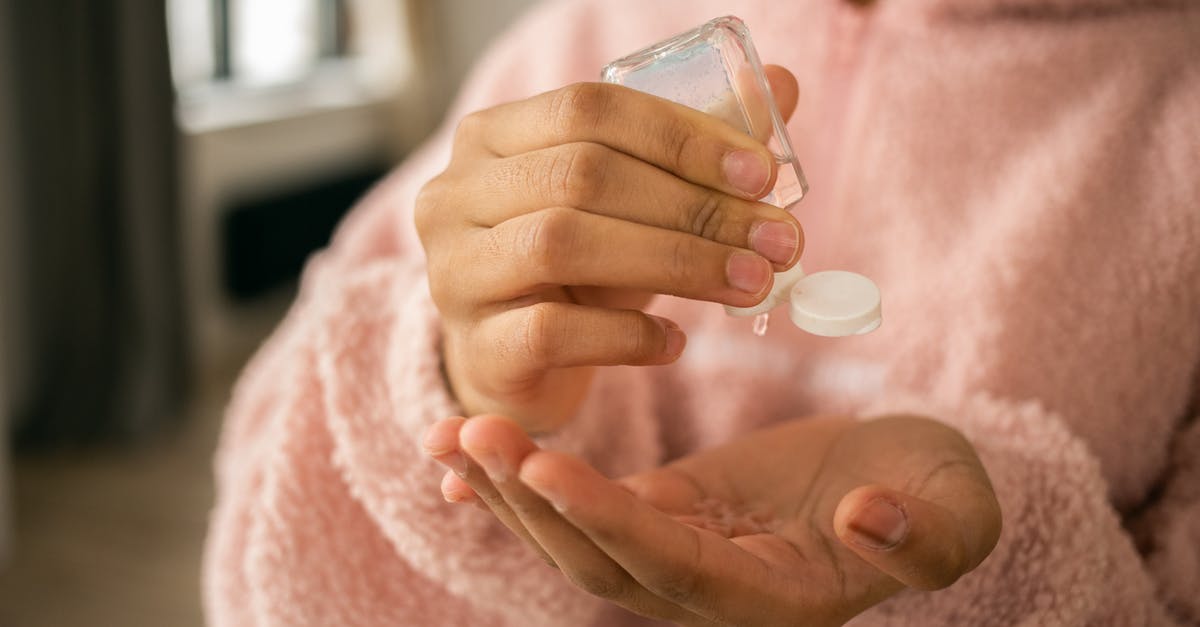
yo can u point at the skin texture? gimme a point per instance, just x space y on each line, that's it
560 216
807 522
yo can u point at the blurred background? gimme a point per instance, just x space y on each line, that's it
165 169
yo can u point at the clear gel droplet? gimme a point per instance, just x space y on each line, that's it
760 324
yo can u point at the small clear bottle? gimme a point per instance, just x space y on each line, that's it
715 68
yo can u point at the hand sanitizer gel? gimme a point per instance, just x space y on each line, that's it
716 69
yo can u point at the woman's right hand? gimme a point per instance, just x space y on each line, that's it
560 216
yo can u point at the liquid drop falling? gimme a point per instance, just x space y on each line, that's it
760 324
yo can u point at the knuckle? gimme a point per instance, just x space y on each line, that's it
439 290
492 499
679 586
427 206
530 512
547 239
576 173
449 260
679 263
706 217
447 292
641 338
678 139
539 335
580 107
683 583
469 129
605 583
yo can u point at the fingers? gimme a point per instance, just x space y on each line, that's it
694 146
695 569
666 488
550 335
500 446
785 89
597 179
751 110
566 247
441 441
456 490
922 544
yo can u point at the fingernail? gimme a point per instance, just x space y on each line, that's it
747 272
438 440
456 461
879 526
747 171
675 338
455 497
776 241
493 464
555 499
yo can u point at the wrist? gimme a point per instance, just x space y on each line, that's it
539 406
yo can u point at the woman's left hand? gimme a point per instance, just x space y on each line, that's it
808 522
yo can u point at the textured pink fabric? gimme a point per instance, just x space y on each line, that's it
1022 180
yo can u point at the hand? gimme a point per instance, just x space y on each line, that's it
559 216
808 522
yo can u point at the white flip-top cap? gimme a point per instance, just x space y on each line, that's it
833 303
836 303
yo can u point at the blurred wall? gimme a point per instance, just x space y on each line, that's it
225 164
462 29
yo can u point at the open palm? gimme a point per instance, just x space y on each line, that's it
811 521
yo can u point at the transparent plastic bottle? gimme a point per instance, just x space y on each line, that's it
715 68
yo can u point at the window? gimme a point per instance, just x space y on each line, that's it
237 61
257 42
287 110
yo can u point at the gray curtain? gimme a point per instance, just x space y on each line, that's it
90 104
9 194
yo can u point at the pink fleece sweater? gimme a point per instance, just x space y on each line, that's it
1020 177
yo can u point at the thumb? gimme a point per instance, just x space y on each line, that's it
922 544
785 89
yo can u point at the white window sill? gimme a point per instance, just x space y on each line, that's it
223 105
